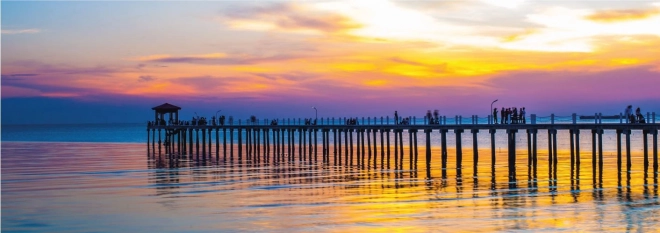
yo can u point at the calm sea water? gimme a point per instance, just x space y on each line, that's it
95 178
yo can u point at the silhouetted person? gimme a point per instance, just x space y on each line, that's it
514 118
628 114
503 116
640 117
429 117
436 115
494 115
396 118
522 115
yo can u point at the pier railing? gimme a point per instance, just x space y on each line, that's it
532 119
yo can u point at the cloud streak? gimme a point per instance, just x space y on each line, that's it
20 31
608 16
289 17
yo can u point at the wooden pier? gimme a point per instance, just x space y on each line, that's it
296 142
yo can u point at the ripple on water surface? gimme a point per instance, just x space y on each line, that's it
81 187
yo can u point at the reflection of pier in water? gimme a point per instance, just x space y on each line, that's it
210 177
369 146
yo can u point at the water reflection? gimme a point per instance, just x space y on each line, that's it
275 191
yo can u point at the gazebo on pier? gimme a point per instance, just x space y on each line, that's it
162 109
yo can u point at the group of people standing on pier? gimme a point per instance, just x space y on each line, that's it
637 118
352 121
309 121
433 119
510 115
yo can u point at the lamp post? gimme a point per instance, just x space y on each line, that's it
491 111
316 113
216 117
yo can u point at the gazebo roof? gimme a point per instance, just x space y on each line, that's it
166 107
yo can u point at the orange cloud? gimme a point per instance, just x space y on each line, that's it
608 16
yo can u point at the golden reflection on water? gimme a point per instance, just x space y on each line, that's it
54 184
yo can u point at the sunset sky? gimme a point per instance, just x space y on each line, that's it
65 62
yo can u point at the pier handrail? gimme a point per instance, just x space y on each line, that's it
596 118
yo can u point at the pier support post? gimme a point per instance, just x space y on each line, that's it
334 143
628 154
416 150
401 148
529 150
382 146
618 149
534 147
240 143
396 148
572 142
231 143
475 149
492 147
315 145
646 149
276 144
388 147
655 151
346 147
197 143
554 150
159 142
203 143
323 145
600 152
362 143
303 143
443 151
282 143
339 149
217 144
577 152
411 156
310 144
358 150
459 149
369 142
593 152
512 153
191 140
258 143
373 131
350 133
550 154
148 138
428 149
153 141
